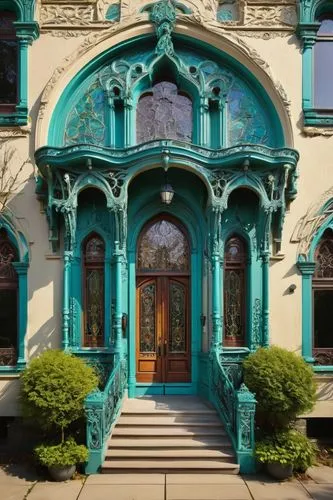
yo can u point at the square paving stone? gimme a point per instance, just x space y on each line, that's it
319 491
13 491
68 490
292 490
126 479
204 479
321 475
207 492
122 492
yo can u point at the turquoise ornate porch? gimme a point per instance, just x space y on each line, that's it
182 109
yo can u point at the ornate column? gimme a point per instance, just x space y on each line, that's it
204 121
128 123
307 73
21 269
307 269
68 257
265 298
118 303
216 259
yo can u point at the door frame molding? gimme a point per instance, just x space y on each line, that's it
195 236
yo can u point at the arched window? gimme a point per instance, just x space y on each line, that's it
93 289
322 285
234 292
8 302
8 62
164 113
323 64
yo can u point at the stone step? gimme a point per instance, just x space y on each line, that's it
163 420
176 454
181 465
169 431
151 442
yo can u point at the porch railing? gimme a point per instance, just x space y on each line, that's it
101 410
236 406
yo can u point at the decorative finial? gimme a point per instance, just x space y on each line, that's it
163 16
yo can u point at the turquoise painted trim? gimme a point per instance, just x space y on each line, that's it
131 256
323 369
216 301
118 305
27 30
265 298
165 389
67 98
22 270
185 153
307 269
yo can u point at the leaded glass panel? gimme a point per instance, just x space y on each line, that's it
177 318
94 305
234 291
233 324
163 247
164 113
147 318
324 259
86 122
7 256
94 256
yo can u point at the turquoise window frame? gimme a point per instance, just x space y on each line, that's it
306 266
308 26
21 267
27 30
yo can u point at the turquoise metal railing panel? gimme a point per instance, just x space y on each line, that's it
101 410
236 406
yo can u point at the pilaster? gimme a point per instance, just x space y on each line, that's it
307 269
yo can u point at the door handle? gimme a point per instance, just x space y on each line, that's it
165 348
159 350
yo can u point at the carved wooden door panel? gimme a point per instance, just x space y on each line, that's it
163 340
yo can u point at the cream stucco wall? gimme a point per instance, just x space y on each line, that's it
62 56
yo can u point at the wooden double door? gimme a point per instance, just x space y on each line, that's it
163 329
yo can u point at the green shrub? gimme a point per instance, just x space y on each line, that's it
54 387
283 384
287 448
61 455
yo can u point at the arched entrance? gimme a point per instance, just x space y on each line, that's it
163 345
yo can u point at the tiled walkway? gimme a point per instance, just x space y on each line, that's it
16 483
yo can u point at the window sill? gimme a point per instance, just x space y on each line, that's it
316 121
322 368
16 119
12 371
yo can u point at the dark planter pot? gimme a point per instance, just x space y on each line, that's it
279 471
62 473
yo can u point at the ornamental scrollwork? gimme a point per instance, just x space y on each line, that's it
256 324
94 428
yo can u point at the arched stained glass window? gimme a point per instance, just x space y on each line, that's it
234 292
322 285
93 257
163 247
8 302
164 113
8 61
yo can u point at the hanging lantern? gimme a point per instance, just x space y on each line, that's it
167 193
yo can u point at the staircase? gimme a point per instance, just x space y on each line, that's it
169 434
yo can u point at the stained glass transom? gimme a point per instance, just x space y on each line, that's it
147 318
86 122
164 113
163 247
95 250
324 259
177 318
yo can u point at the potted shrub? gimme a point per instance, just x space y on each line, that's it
284 452
284 387
54 387
61 459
